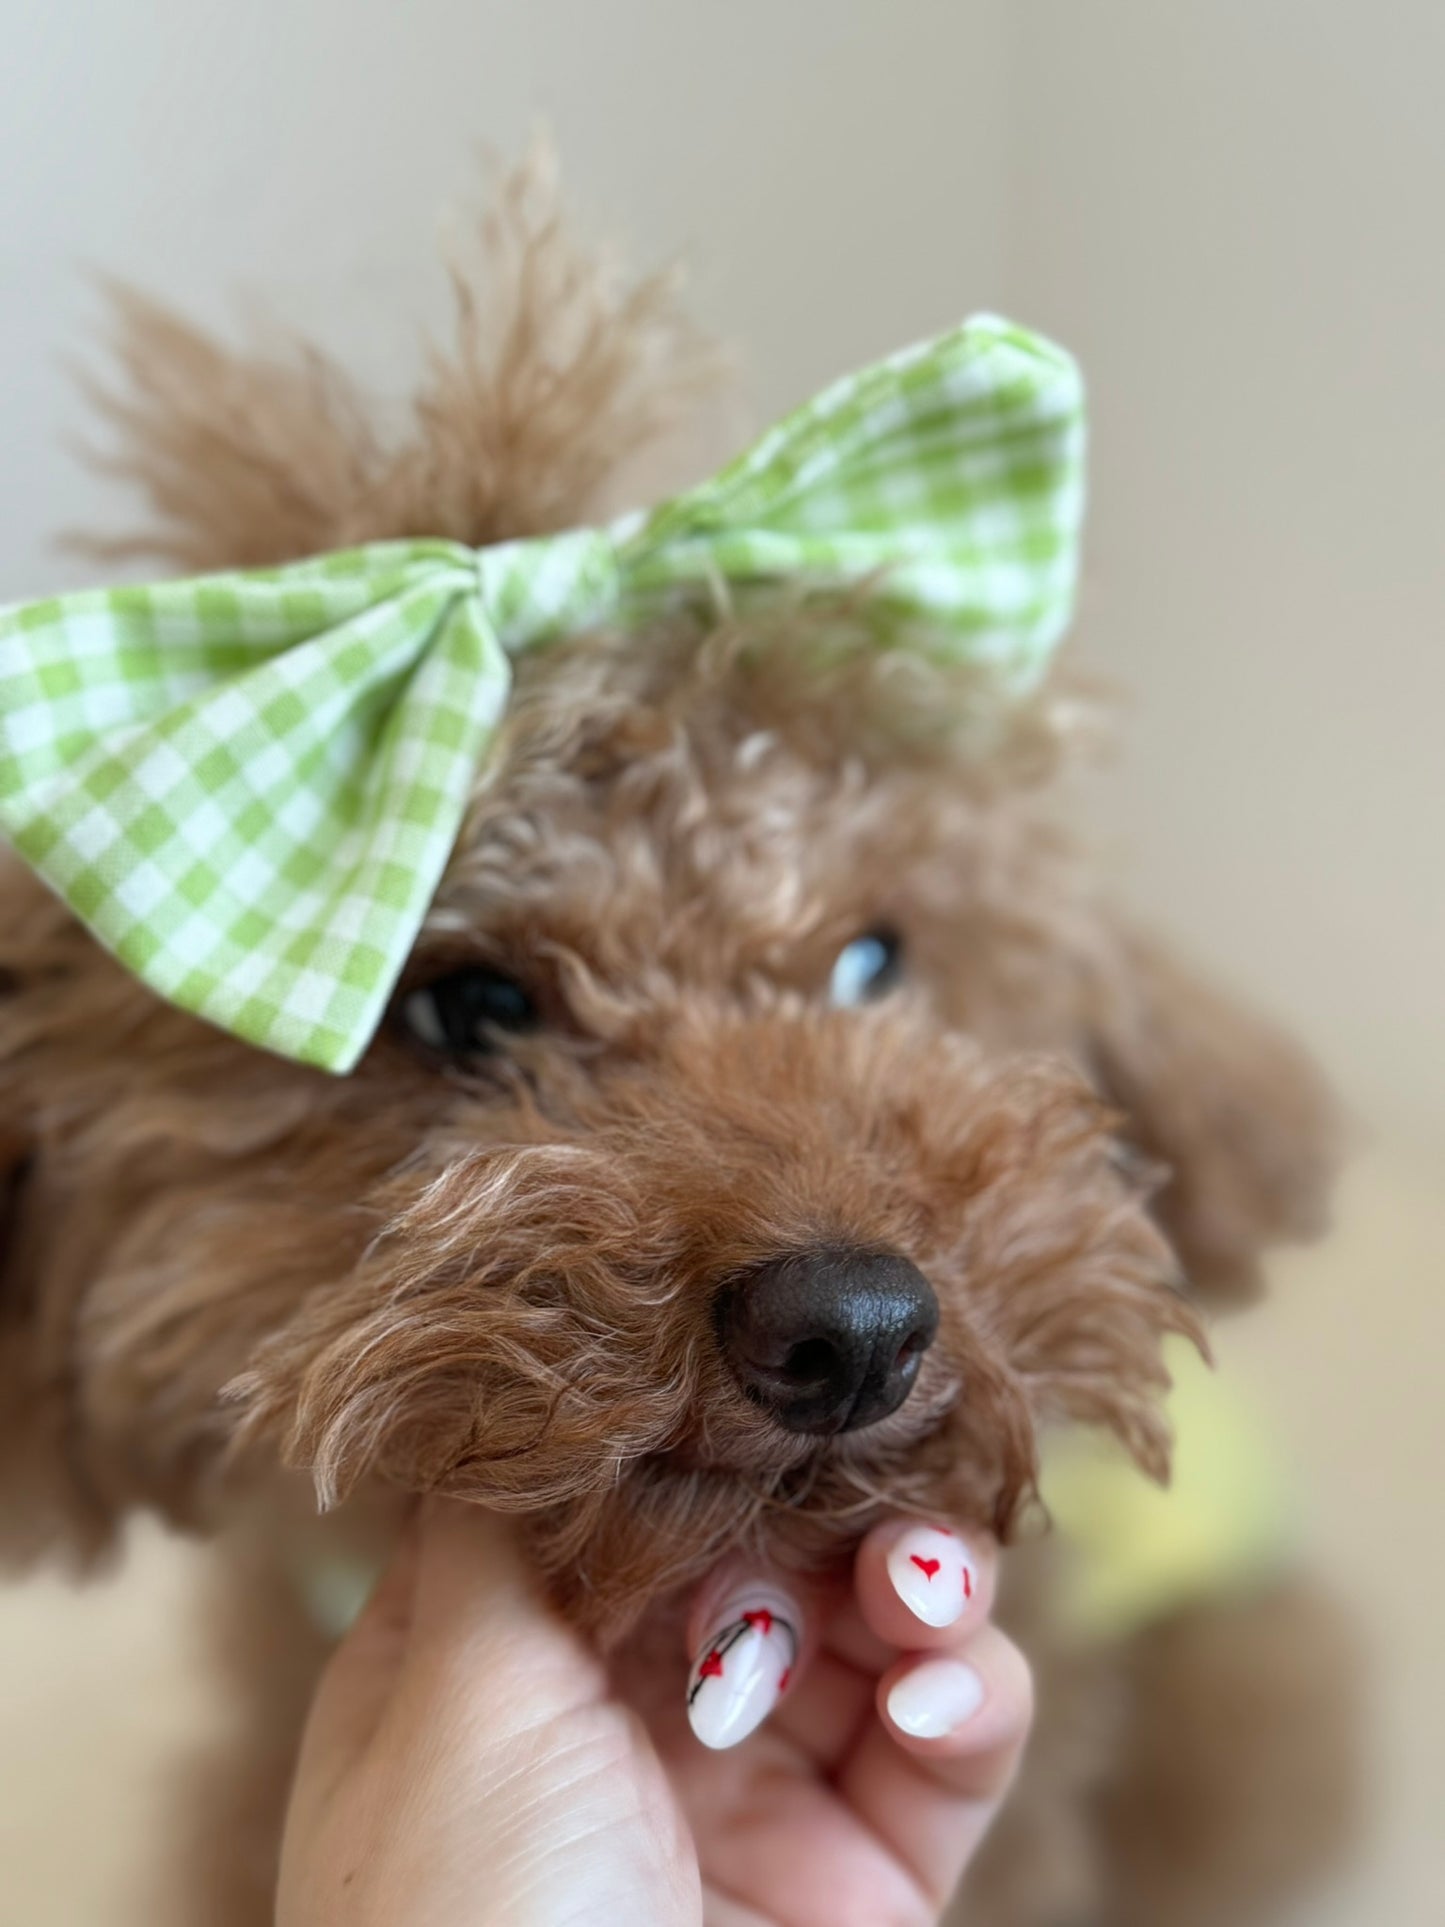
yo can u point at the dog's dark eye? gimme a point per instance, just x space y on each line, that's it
459 1012
868 967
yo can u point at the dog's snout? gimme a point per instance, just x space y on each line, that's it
828 1341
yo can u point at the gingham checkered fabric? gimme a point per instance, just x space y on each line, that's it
248 785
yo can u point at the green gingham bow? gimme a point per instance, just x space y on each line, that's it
248 784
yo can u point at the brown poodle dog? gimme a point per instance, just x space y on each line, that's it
515 1269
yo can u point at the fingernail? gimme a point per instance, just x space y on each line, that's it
937 1697
932 1574
744 1669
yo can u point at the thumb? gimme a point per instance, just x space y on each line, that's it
480 1625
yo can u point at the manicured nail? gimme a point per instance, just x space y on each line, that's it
932 1574
744 1669
936 1698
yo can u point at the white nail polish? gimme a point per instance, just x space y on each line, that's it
743 1670
932 1574
936 1698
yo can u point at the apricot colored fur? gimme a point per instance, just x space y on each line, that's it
233 1286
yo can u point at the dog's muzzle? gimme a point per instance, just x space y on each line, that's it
828 1341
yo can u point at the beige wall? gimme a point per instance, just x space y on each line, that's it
832 173
1232 210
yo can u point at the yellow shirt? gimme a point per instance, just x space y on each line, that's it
1144 1551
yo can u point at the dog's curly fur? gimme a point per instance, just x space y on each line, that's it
226 1273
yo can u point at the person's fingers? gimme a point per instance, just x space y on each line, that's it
753 1636
920 1586
929 1774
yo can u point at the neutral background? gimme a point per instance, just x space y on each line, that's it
1231 210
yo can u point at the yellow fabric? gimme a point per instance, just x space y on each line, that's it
1141 1551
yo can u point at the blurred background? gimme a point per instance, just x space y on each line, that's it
1231 211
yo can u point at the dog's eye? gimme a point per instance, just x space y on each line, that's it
459 1012
868 967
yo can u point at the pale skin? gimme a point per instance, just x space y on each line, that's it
467 1762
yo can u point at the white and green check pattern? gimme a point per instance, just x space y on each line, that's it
248 785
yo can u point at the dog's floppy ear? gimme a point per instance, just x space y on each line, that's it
33 1502
1242 1122
14 1164
45 1506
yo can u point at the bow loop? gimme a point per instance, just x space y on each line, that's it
248 785
953 471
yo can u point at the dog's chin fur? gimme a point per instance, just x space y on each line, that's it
532 1325
496 1277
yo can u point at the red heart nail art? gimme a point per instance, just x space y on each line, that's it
711 1667
762 1619
926 1566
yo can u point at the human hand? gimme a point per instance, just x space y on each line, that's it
469 1759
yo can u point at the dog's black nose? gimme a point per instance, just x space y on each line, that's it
828 1340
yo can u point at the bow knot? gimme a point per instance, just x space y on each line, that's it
541 587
